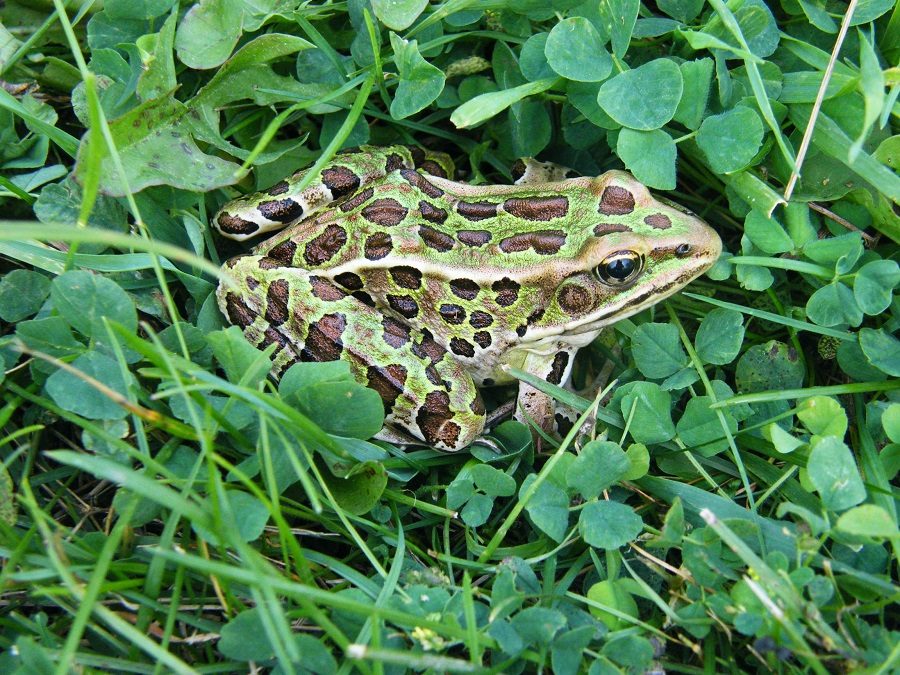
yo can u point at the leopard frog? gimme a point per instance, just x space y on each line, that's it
430 288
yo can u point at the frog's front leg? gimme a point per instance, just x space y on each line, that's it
426 394
554 366
284 204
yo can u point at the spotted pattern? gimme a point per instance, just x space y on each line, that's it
406 277
357 200
396 333
462 347
537 208
340 180
609 228
238 313
235 224
483 338
507 291
419 181
660 221
393 162
464 288
616 201
349 280
479 319
279 188
325 290
436 239
452 314
386 212
277 296
252 283
364 298
476 211
323 339
434 420
378 245
536 316
575 299
325 246
281 210
474 237
432 213
404 305
558 368
283 253
388 382
543 242
432 167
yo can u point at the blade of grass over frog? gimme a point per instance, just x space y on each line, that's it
326 598
93 158
774 583
419 504
65 142
775 318
832 390
784 264
341 135
820 98
16 230
754 191
412 660
17 191
377 67
74 587
542 476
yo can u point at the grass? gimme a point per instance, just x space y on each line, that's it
165 506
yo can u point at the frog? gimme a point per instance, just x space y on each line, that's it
432 289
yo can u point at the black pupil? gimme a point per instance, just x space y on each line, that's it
620 268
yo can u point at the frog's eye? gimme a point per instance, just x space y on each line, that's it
620 268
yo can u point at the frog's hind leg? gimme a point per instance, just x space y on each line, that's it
284 203
527 171
426 393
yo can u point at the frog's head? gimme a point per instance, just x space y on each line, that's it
638 249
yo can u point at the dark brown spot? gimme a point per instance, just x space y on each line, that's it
283 253
558 367
487 382
252 283
266 263
278 189
432 167
535 316
235 225
393 162
521 330
537 208
544 242
575 299
432 213
388 382
483 338
477 405
281 210
434 419
404 305
419 181
378 245
417 154
563 424
462 347
436 239
323 340
364 298
349 280
324 290
476 211
386 212
452 314
274 337
326 245
474 237
479 319
507 291
609 228
428 349
340 180
659 221
238 313
616 201
464 288
517 169
396 333
357 200
277 296
406 277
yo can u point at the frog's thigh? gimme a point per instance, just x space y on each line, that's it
529 170
425 392
536 405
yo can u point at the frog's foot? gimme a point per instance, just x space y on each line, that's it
529 170
426 393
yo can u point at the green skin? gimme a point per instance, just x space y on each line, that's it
430 288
